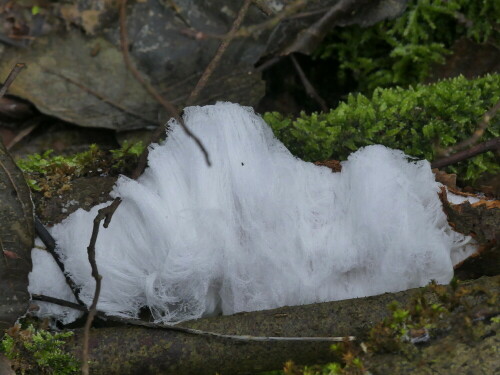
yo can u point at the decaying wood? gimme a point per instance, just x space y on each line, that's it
138 350
481 220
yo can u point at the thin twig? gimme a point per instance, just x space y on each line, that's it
11 77
491 145
190 331
105 214
171 109
220 51
50 245
23 133
60 302
310 90
476 136
245 338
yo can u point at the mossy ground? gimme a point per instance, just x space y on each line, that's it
440 325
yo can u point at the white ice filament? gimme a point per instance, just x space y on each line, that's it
257 230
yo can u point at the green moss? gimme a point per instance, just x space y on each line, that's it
52 174
402 51
350 363
38 351
417 120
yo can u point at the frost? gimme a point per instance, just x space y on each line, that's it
457 199
258 230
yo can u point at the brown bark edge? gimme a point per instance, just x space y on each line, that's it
139 350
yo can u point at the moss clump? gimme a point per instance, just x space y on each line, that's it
351 364
417 120
49 174
38 351
402 51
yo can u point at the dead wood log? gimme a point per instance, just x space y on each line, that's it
140 350
481 220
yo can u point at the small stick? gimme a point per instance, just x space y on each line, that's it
105 214
11 77
491 145
190 331
311 91
220 51
244 338
171 109
50 245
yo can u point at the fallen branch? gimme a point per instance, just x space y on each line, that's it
491 145
131 349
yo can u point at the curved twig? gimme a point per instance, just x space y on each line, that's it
491 145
